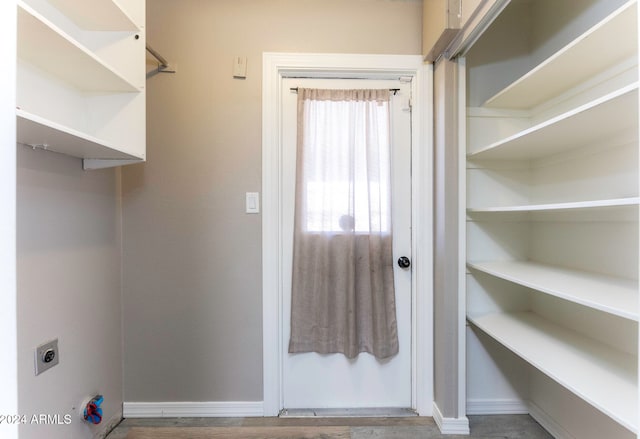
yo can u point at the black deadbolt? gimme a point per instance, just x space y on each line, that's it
404 262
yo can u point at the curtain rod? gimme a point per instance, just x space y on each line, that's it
393 90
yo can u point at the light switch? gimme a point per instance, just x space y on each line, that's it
240 67
253 202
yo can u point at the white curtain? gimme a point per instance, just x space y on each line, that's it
343 298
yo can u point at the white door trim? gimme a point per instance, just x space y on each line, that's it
277 66
8 263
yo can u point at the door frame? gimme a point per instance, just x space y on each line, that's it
277 66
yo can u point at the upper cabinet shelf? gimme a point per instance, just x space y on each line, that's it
596 50
603 119
41 133
44 45
96 15
80 85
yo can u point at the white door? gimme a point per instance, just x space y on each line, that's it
312 380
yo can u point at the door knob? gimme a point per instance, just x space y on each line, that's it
404 262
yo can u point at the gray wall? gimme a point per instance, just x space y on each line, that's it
68 250
192 257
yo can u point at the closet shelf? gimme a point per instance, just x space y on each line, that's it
44 45
613 116
96 15
613 295
38 132
550 207
602 46
602 376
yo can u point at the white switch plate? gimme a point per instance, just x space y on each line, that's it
240 67
253 202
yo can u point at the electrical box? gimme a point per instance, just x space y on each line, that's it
47 355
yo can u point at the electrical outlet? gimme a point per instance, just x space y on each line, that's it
47 356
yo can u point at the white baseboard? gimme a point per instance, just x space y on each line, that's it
549 424
192 409
497 407
450 425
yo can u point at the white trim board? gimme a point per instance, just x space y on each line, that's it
517 407
497 407
450 425
213 409
277 66
548 423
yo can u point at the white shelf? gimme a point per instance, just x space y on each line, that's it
44 45
552 172
602 376
604 45
96 15
613 295
38 132
574 205
610 116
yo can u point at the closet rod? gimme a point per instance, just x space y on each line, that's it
156 55
164 65
394 90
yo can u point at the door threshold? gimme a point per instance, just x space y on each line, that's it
366 412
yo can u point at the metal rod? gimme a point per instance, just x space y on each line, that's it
156 55
393 90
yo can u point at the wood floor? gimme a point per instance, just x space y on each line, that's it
482 427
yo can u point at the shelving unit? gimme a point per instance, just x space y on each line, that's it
552 208
43 44
614 295
74 96
611 116
600 47
42 133
609 384
97 15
